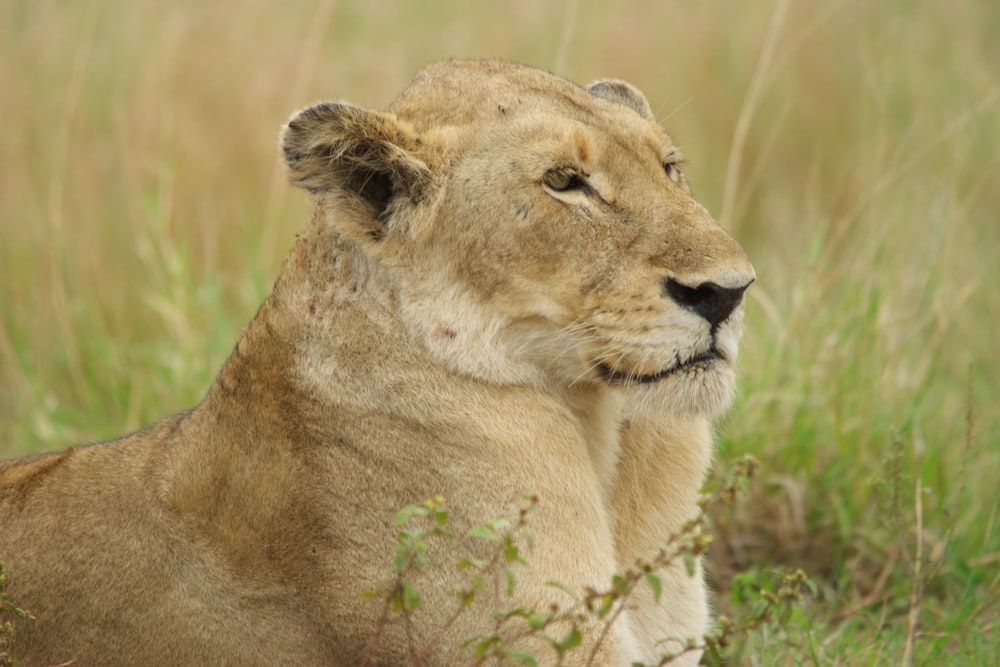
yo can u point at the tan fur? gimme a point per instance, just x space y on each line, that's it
453 321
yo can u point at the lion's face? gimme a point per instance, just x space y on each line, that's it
548 235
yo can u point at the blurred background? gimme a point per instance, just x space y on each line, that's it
851 147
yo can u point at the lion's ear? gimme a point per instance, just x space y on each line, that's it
622 93
341 149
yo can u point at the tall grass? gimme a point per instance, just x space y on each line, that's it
850 146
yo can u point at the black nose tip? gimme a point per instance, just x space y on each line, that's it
713 302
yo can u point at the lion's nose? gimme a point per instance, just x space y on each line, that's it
713 302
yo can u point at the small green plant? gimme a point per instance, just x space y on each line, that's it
767 599
10 615
772 604
508 535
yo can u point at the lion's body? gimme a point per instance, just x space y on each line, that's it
454 321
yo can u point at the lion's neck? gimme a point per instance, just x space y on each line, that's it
598 411
333 337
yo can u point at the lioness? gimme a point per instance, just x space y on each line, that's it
506 288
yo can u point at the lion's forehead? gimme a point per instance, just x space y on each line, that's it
482 92
554 141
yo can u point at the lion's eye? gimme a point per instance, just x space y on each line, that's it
673 171
561 180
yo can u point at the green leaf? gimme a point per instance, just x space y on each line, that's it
690 564
483 533
412 535
655 585
440 516
712 656
408 512
607 601
570 641
498 524
483 647
511 553
568 590
472 562
523 658
434 503
411 598
537 620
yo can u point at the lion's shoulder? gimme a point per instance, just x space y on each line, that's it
19 476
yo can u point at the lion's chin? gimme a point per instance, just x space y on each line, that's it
706 362
703 385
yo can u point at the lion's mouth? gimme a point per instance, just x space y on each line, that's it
702 361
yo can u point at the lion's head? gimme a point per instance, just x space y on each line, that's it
535 231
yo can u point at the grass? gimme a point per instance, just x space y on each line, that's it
850 146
